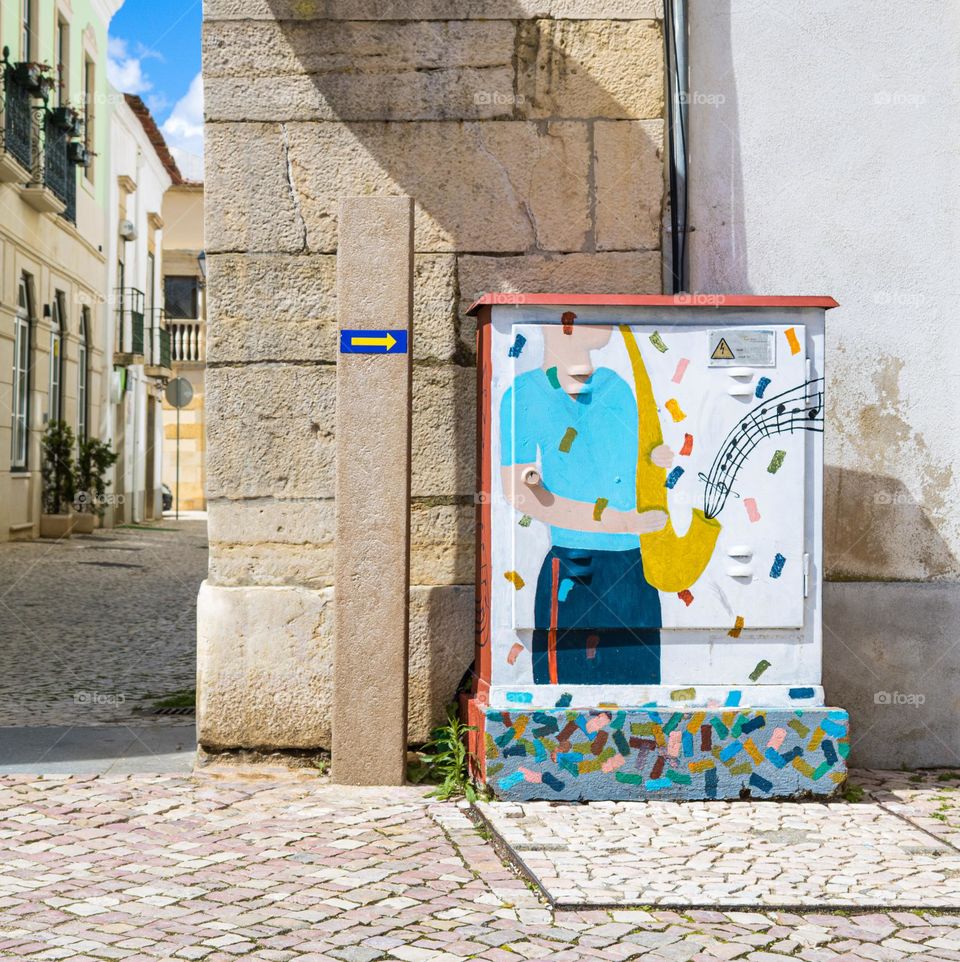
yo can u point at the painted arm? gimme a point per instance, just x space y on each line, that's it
525 491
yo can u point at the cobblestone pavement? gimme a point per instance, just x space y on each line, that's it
96 626
898 847
216 868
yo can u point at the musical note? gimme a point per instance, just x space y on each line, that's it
799 408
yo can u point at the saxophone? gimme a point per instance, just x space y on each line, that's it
671 562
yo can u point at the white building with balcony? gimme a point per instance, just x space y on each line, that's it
142 171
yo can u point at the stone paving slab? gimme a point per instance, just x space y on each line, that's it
219 868
897 848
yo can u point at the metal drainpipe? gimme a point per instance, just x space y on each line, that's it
675 58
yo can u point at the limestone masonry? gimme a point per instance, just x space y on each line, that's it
306 106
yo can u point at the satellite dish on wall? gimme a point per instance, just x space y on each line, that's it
128 230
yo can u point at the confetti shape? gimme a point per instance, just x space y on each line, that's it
685 596
734 632
657 341
566 586
552 781
514 578
613 763
567 319
566 442
682 366
675 410
599 507
776 462
791 336
753 513
673 477
515 652
759 782
517 347
777 568
762 385
592 642
687 448
552 378
525 521
777 738
761 667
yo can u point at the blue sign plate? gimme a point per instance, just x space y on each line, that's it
373 342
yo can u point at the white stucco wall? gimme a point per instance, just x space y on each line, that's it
824 160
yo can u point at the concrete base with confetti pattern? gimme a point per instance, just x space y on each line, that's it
622 754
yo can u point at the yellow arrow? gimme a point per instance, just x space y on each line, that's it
388 342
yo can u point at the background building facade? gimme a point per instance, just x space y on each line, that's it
142 172
54 353
186 313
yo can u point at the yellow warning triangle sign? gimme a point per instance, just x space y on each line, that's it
722 352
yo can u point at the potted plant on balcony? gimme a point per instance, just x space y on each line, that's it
56 520
78 154
94 459
33 77
68 119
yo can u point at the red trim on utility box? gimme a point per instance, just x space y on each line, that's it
651 300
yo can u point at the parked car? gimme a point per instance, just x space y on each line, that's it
167 497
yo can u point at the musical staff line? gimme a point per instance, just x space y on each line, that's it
799 409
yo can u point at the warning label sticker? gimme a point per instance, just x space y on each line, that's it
747 347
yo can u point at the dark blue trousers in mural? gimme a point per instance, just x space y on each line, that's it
598 621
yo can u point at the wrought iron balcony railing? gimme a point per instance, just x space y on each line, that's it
52 167
158 339
129 301
18 128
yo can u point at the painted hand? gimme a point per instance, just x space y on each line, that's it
643 523
662 456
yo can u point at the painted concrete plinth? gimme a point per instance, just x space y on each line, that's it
621 754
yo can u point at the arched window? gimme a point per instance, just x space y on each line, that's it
21 375
83 374
58 327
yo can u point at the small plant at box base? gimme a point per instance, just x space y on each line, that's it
448 759
58 468
94 459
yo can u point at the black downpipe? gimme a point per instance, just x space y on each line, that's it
675 58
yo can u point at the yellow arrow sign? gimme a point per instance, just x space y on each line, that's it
388 341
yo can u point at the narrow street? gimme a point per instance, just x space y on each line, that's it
96 631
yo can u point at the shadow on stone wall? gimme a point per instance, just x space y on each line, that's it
889 648
874 525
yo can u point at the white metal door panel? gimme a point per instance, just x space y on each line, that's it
735 407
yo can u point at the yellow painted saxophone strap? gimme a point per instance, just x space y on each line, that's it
670 563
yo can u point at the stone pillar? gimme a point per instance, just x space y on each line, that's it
372 565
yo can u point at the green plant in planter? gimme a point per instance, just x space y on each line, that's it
94 459
57 472
447 756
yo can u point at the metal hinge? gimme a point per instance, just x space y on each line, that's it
806 574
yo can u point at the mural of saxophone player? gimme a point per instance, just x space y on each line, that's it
597 616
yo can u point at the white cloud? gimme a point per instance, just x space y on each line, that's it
183 131
125 70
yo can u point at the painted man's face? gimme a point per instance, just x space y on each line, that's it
577 337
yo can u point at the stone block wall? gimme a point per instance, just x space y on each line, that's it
530 135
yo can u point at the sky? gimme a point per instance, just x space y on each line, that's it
155 53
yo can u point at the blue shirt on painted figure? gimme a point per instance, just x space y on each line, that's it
602 458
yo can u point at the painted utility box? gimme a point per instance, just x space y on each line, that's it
649 529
